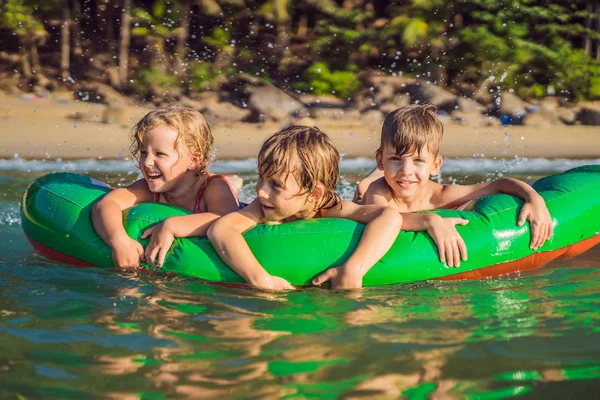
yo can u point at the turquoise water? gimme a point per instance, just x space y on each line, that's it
93 333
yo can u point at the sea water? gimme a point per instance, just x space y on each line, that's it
68 332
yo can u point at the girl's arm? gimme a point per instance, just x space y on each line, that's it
107 217
219 199
383 226
226 237
164 233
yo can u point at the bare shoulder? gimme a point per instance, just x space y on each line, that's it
253 212
378 193
339 210
219 188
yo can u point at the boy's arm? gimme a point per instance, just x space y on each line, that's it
226 237
383 226
451 246
534 209
107 218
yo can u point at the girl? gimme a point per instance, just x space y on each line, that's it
172 145
298 173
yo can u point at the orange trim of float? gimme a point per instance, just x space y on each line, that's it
536 260
530 262
57 256
54 255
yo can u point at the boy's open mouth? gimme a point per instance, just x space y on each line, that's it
266 208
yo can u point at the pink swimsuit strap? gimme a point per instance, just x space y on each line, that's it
200 192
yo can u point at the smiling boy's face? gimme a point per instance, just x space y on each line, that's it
406 174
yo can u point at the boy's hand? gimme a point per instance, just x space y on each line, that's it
451 246
160 243
127 252
540 221
341 277
270 282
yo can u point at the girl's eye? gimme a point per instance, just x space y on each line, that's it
143 152
419 160
160 154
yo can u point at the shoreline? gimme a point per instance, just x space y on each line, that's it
55 128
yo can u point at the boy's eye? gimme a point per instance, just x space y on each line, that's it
419 160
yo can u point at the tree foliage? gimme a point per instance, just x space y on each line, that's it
322 46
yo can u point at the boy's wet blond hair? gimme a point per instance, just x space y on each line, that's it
412 129
308 154
191 127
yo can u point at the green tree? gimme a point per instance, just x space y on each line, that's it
18 16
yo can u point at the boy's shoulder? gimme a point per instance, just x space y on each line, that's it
380 187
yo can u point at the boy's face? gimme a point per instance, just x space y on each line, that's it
406 174
280 198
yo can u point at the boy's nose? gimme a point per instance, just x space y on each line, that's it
406 168
261 192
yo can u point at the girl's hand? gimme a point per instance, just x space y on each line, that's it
451 246
160 243
340 277
127 252
540 221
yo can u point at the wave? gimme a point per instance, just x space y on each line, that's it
348 165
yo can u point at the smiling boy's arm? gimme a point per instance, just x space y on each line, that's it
383 226
226 237
534 209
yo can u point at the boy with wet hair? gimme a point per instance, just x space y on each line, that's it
408 155
297 178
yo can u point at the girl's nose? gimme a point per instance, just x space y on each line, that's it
148 161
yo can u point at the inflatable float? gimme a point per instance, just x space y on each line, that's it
56 217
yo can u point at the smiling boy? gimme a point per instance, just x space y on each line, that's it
408 156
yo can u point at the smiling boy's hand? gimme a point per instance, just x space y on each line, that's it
451 246
540 221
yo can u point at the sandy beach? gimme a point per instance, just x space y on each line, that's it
36 128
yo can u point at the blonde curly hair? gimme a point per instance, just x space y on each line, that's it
192 130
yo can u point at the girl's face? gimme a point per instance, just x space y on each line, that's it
407 174
160 163
281 201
